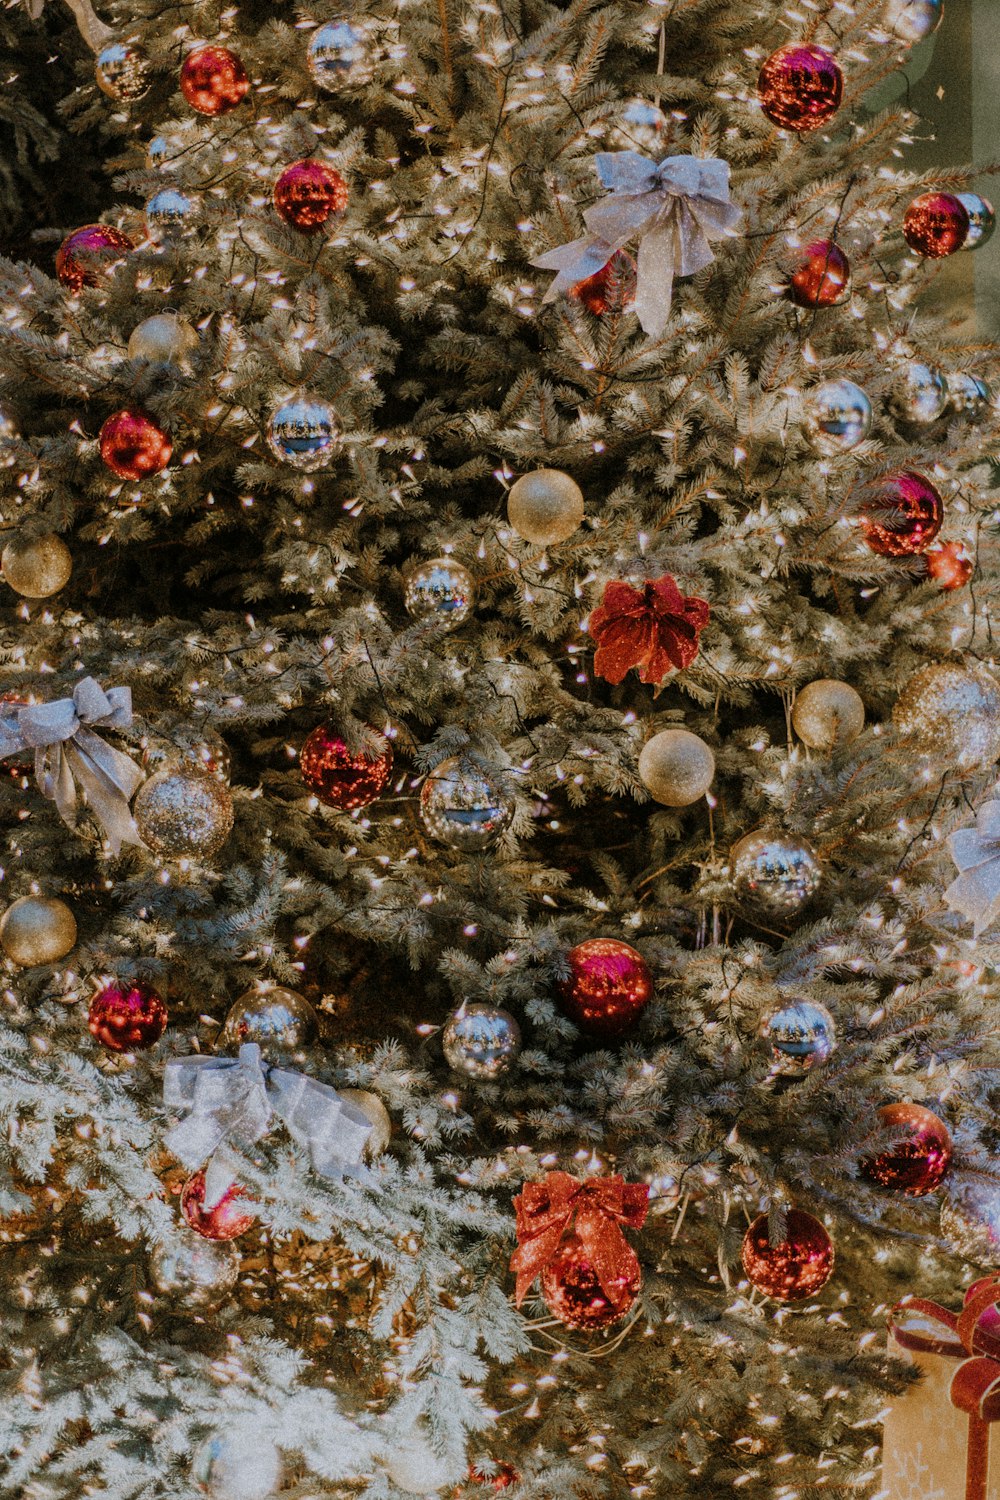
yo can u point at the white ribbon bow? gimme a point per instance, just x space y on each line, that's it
70 758
675 207
232 1100
976 852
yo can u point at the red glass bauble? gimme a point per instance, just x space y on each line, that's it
87 252
223 1222
574 1295
800 86
213 80
308 194
339 778
132 445
950 566
596 292
919 1163
822 278
902 515
127 1017
794 1268
609 984
936 224
503 1475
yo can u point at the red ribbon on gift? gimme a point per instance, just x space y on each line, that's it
596 1209
973 1336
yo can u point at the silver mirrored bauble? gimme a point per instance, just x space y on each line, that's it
913 20
439 589
183 817
303 433
982 220
164 338
195 1271
481 1041
341 54
639 126
245 1464
122 71
776 873
950 711
278 1020
168 213
800 1035
838 416
968 394
8 428
919 393
463 806
970 1220
161 153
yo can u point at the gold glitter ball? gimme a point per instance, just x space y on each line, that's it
545 506
183 816
37 930
36 567
676 767
828 713
951 711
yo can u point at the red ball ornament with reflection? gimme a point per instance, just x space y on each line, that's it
338 777
127 1017
213 80
597 293
822 278
800 86
308 194
225 1220
133 446
936 224
573 1294
85 253
920 1162
609 984
794 1268
950 566
903 514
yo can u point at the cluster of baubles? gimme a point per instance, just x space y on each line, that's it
837 414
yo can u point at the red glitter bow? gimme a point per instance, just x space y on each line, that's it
654 628
546 1211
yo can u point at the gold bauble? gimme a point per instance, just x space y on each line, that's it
545 506
183 816
377 1116
951 711
163 339
676 767
37 930
36 567
828 713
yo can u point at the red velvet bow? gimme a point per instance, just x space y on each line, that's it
596 1209
972 1336
654 628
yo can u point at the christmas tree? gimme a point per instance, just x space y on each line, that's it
499 858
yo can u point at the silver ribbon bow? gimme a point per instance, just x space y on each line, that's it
976 852
675 207
232 1100
70 758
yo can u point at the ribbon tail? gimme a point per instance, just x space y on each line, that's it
574 262
975 895
655 279
107 779
220 1174
615 1263
55 781
530 1259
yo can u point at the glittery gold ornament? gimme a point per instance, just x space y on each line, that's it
919 394
545 506
970 1220
163 339
951 711
280 1021
37 930
195 1272
36 567
481 1042
828 713
774 872
439 589
676 767
183 816
376 1114
838 416
464 806
122 71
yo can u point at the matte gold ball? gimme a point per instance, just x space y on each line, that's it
164 339
37 930
951 711
676 767
377 1116
545 506
36 567
828 713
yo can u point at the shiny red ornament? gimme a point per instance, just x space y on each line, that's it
920 1162
308 194
213 80
573 1293
608 987
225 1220
950 566
653 627
132 445
503 1475
903 514
338 777
127 1017
800 86
596 292
797 1266
87 252
822 278
936 224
